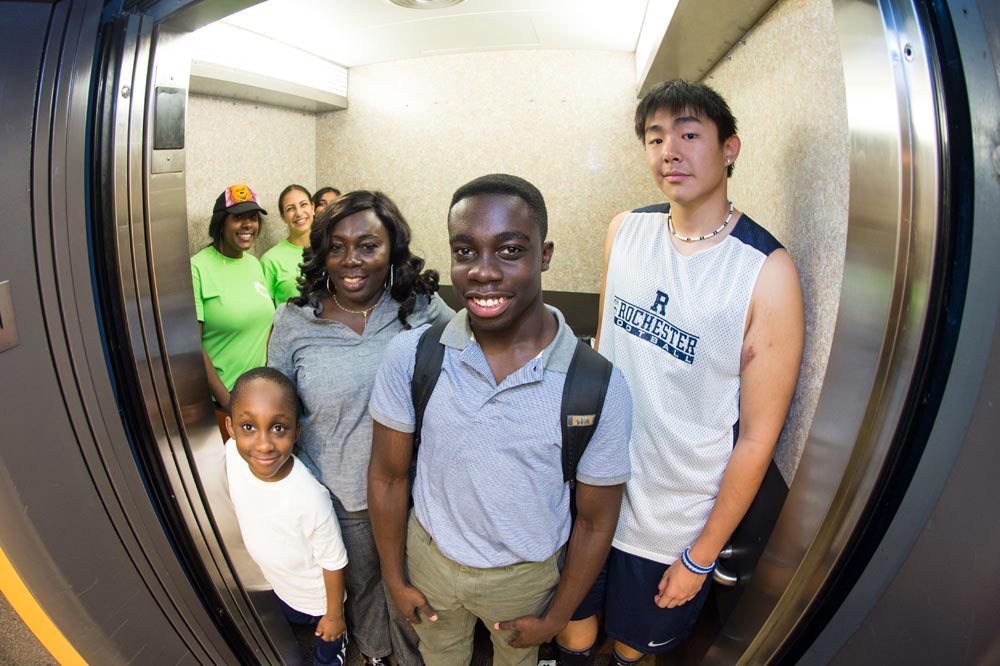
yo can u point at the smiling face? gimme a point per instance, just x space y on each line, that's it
265 425
238 233
297 212
358 261
497 260
686 158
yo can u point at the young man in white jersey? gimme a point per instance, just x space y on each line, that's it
702 310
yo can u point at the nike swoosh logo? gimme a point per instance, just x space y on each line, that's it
652 644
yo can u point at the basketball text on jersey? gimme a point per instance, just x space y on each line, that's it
652 326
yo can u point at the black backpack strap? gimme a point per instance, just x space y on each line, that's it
582 401
426 370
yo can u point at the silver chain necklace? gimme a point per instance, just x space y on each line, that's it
693 239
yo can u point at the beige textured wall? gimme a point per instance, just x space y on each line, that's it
231 142
786 88
419 129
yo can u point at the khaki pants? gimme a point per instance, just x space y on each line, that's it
460 594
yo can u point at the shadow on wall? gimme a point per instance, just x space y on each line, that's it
792 176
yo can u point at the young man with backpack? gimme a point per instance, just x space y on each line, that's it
490 527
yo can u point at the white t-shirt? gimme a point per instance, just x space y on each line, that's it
289 529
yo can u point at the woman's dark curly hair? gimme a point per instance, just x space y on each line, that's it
408 280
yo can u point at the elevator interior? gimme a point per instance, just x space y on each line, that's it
123 537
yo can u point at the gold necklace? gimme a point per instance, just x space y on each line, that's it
364 313
694 239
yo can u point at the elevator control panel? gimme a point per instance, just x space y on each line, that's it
168 118
169 108
8 329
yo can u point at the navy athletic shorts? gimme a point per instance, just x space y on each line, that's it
624 590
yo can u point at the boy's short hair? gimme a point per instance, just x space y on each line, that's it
502 183
266 374
680 96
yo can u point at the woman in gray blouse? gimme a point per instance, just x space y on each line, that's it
360 286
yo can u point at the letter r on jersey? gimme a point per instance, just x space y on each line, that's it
660 304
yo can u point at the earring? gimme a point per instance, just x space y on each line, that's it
329 288
390 279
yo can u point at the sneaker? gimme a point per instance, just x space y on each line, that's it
375 661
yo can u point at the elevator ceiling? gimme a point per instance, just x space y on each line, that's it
361 32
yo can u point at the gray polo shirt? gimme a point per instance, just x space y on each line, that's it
489 486
333 369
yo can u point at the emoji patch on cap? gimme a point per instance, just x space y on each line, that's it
239 194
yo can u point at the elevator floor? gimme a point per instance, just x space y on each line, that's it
17 644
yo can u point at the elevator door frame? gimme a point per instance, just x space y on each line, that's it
862 442
900 596
79 528
876 344
153 337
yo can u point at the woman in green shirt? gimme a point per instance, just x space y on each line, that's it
282 262
231 298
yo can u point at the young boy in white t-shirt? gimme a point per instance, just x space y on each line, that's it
285 514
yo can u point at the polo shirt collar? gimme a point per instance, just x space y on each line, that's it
556 356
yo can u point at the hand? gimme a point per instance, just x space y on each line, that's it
529 630
331 627
412 603
678 586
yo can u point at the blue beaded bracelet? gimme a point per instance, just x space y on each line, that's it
692 567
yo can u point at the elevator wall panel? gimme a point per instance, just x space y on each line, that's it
418 129
231 142
792 174
942 606
22 33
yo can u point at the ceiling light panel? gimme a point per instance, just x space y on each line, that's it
362 32
425 4
223 45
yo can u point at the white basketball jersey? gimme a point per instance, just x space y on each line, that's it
674 325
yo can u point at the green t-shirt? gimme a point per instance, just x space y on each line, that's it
281 269
235 309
